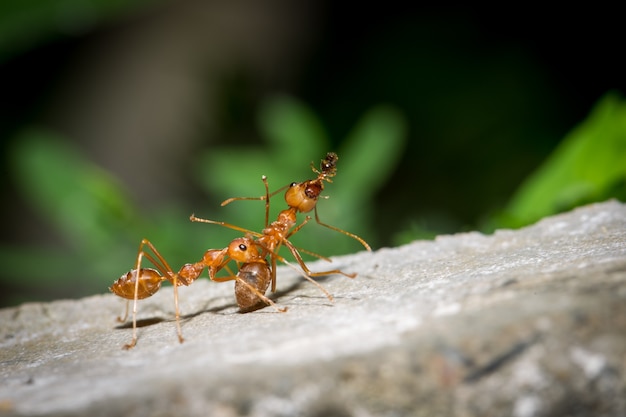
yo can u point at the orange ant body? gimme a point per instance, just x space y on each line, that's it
255 274
300 197
251 281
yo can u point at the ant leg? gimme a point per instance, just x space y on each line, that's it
298 227
308 252
122 319
262 296
317 255
307 273
263 197
178 329
312 281
274 256
139 257
306 269
193 218
163 266
267 200
266 197
336 229
296 254
166 273
250 287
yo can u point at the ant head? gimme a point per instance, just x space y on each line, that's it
329 165
303 195
243 250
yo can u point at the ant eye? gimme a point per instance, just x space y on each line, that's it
243 247
293 184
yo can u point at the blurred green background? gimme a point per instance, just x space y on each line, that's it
120 119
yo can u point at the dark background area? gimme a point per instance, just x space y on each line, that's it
487 94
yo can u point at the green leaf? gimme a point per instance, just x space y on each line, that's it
295 138
589 165
291 129
373 149
83 201
25 24
293 134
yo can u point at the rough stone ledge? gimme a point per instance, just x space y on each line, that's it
521 323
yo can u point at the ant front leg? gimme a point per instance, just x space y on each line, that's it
305 272
296 254
195 219
265 197
336 229
308 274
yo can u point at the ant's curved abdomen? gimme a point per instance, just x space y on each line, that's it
258 276
149 283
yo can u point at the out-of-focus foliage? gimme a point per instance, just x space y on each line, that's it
77 197
98 219
84 203
103 225
480 103
588 166
26 23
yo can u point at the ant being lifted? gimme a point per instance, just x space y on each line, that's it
300 197
251 281
255 273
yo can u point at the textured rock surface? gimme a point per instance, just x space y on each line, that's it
521 323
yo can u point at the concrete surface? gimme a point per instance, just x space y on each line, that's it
520 323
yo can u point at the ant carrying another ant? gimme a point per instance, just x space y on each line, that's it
251 281
301 197
255 273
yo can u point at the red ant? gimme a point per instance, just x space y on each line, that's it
253 277
300 197
251 281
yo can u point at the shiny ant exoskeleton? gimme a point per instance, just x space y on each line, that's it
251 280
301 197
255 273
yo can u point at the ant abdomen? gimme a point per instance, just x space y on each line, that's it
149 283
258 276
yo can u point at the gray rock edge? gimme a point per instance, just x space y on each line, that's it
521 323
